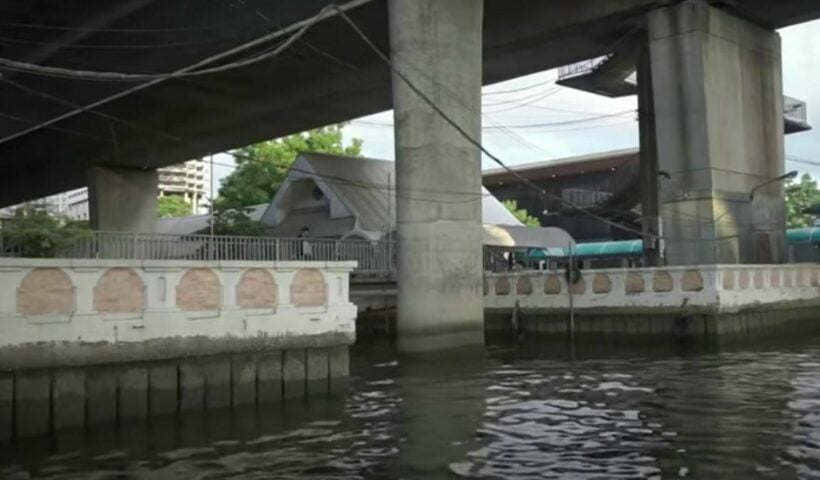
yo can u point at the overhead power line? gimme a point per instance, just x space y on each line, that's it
71 28
191 70
279 33
434 106
121 46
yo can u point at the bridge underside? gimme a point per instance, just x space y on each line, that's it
329 76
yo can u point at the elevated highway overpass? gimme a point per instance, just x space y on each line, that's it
328 77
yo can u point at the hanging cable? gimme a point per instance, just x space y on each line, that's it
137 88
192 70
410 84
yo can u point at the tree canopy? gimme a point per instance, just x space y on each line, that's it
34 232
801 195
173 206
261 168
521 214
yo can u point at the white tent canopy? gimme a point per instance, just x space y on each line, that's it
526 237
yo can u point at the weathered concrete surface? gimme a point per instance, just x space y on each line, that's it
162 386
69 393
61 401
217 383
709 300
191 387
294 374
101 396
243 380
133 394
317 371
269 378
32 405
338 369
6 407
82 330
123 199
438 46
718 107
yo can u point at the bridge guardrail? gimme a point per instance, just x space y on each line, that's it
375 258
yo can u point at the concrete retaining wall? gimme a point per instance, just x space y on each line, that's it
90 341
39 402
56 313
669 300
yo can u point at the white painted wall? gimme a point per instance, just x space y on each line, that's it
798 286
160 318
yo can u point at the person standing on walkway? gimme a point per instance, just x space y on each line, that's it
307 248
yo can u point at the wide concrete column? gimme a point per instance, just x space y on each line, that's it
122 199
437 44
719 122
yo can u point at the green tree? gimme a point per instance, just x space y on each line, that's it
173 206
237 222
521 214
261 168
33 232
801 195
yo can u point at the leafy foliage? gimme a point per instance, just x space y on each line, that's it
521 214
237 222
33 232
801 195
173 206
261 168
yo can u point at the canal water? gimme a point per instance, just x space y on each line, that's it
527 410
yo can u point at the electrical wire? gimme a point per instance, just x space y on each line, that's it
469 138
68 103
185 72
522 89
405 193
568 122
29 121
192 70
142 86
68 28
124 46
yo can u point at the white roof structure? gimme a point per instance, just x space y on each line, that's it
200 223
362 189
357 197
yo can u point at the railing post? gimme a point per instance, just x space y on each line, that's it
276 253
136 257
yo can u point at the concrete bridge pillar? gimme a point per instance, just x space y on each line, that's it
122 199
718 109
437 44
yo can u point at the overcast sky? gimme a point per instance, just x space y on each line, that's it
578 123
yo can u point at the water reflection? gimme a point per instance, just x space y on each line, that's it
519 411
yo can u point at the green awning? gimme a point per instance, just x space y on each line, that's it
797 236
609 249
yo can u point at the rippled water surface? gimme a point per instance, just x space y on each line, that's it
525 411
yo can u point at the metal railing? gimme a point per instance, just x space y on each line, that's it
795 110
581 68
375 258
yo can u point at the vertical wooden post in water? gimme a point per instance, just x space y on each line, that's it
570 283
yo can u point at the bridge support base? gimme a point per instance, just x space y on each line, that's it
438 46
122 199
719 120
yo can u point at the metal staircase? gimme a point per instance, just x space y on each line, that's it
611 75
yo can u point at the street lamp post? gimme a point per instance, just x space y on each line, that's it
789 176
